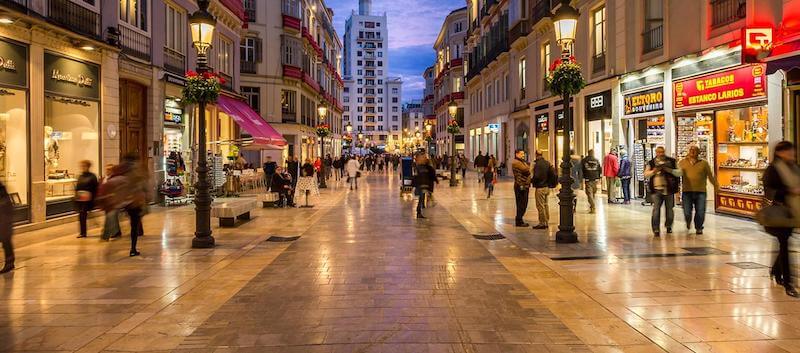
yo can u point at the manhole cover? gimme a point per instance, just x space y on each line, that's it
495 236
280 239
706 251
747 265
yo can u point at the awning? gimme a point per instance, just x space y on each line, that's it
264 135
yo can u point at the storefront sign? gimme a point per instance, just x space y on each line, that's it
656 131
742 83
756 44
542 122
648 101
71 77
739 204
13 64
174 79
598 106
493 127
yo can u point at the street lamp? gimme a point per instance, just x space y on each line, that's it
202 26
428 137
323 111
349 129
565 21
452 109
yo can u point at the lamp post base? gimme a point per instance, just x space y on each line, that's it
203 242
566 237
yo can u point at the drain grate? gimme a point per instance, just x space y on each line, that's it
747 265
706 251
488 236
280 239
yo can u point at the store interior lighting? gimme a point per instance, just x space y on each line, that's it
5 18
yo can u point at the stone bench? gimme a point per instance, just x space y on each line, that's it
228 210
268 199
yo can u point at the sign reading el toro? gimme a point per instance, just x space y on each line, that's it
742 83
648 101
70 77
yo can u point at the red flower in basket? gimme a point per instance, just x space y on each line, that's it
191 73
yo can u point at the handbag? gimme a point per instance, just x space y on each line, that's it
776 215
358 174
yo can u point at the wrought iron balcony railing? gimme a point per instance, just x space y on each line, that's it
74 17
725 12
599 63
174 62
247 67
134 44
653 39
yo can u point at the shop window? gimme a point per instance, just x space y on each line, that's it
14 145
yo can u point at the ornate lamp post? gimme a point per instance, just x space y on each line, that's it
349 129
453 129
322 131
428 137
566 80
202 26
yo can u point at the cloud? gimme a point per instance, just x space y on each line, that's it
413 27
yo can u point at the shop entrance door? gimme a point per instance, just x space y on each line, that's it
133 117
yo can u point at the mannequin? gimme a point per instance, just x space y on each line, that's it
50 150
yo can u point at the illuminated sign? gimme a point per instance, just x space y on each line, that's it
739 204
493 127
756 44
744 82
542 122
648 101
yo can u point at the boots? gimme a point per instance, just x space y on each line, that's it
9 265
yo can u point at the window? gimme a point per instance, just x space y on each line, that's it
394 109
250 51
346 99
497 91
489 101
545 64
176 30
394 117
250 10
380 90
394 99
457 84
134 13
653 35
380 54
394 90
346 118
288 102
522 76
253 95
225 55
505 87
599 20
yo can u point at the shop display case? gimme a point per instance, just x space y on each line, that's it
742 155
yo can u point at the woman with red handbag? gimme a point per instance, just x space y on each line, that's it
85 192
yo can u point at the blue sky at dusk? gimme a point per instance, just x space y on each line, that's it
413 27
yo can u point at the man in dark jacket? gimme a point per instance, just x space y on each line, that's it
6 228
480 163
543 177
269 170
522 183
281 184
592 172
664 182
85 192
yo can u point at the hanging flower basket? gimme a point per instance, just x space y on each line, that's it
565 77
347 138
452 127
429 138
360 145
203 88
323 130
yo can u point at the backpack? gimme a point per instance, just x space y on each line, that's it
552 178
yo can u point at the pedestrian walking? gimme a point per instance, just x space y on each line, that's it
352 168
696 172
6 229
522 183
489 177
610 171
782 188
664 183
464 164
85 193
337 166
126 190
592 172
544 177
624 175
480 163
576 172
111 228
424 182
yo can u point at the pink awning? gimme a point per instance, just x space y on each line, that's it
264 135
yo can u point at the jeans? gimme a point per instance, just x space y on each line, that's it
521 197
626 189
668 201
591 190
541 205
696 200
781 269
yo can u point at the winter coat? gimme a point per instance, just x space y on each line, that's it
592 170
624 168
610 165
87 182
351 168
522 173
425 179
542 173
673 182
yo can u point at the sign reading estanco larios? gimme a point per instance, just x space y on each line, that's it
741 83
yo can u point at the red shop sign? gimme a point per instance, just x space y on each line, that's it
742 83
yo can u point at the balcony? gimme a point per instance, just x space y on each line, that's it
653 39
174 62
134 44
599 63
293 72
541 10
520 30
724 12
74 17
250 10
292 23
247 67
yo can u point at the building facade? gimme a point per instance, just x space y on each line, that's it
88 79
372 99
291 64
448 80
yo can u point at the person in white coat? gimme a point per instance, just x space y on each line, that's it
351 168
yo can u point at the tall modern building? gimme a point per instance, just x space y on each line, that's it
372 99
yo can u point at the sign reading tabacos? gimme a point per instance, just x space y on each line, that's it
745 82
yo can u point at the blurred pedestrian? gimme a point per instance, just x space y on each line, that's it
111 228
782 187
423 182
6 228
695 173
489 177
522 183
352 168
664 183
85 193
592 172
